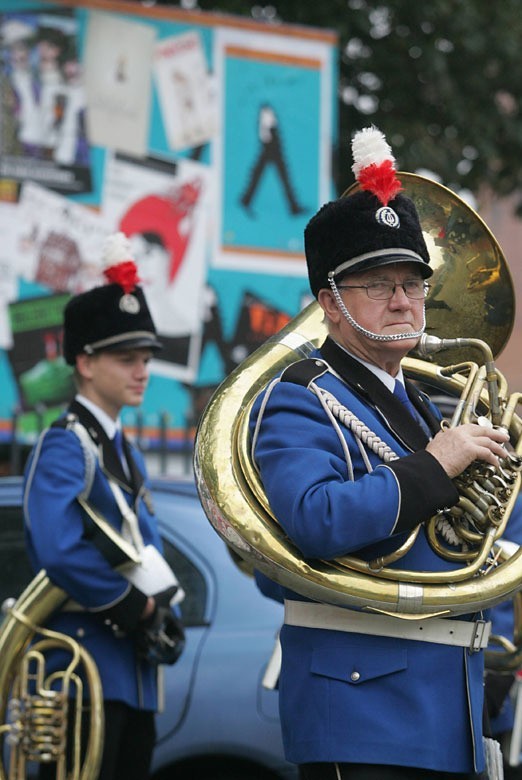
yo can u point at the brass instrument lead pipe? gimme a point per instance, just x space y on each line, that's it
429 345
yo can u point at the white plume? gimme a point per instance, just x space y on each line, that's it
369 146
116 249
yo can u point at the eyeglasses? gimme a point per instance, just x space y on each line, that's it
417 289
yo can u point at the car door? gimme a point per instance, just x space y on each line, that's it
185 535
176 681
15 571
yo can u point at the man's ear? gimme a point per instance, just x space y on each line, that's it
328 304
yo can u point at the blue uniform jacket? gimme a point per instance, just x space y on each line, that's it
414 703
503 621
58 542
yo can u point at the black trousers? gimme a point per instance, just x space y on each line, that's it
375 772
129 741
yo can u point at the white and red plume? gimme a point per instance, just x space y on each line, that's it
374 164
119 265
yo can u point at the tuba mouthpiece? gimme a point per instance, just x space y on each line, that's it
429 345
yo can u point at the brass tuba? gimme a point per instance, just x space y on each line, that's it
36 706
471 294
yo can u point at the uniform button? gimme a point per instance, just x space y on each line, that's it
80 632
355 676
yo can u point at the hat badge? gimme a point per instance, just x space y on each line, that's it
129 304
387 217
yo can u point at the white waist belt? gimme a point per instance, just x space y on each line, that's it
460 633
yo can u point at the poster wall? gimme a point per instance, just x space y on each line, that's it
206 139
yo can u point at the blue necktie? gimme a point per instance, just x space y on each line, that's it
117 440
400 393
118 443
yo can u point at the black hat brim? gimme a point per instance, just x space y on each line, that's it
133 343
375 262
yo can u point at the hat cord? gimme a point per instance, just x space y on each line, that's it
368 333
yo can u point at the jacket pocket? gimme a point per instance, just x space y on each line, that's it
357 662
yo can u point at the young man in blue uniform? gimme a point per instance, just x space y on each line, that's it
360 703
78 467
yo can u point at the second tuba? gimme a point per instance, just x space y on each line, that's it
43 715
471 295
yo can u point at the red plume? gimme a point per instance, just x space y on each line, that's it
125 274
374 164
120 268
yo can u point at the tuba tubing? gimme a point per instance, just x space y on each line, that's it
235 504
38 601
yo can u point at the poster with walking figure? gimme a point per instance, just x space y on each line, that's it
271 153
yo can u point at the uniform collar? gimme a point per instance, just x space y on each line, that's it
109 460
109 425
380 373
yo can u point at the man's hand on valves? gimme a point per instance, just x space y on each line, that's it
455 448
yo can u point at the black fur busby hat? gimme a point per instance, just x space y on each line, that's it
112 316
376 225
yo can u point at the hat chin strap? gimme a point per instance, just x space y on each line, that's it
368 333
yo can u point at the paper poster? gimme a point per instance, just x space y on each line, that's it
163 208
186 90
8 268
41 373
271 156
59 242
42 99
118 67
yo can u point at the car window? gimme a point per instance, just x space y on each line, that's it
192 582
15 571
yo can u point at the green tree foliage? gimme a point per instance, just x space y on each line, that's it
441 79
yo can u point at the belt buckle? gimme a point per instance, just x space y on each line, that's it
477 636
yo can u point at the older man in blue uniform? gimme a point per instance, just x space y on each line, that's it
358 700
83 465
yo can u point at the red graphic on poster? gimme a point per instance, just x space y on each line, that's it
166 220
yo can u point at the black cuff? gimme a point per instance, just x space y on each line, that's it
424 486
125 615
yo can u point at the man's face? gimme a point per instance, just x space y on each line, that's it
113 379
398 314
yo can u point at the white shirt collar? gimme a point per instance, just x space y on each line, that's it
109 425
380 373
